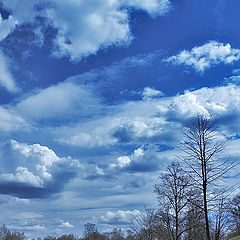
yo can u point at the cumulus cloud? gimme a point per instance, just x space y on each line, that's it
35 171
149 93
218 101
66 225
206 56
143 159
119 217
23 175
6 79
83 27
134 122
157 120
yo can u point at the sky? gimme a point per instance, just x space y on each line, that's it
94 95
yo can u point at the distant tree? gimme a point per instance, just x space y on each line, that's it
6 234
50 238
116 234
203 163
144 226
130 235
67 237
172 193
91 232
235 213
3 232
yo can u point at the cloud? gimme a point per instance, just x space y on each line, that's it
134 122
155 121
123 161
147 158
6 26
149 93
218 101
37 228
6 79
235 78
66 225
61 102
83 28
23 175
11 121
152 7
35 171
119 217
206 56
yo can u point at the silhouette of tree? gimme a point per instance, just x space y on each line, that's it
203 162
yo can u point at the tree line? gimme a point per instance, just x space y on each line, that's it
194 203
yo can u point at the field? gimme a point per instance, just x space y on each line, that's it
235 238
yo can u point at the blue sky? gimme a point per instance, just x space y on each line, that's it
94 95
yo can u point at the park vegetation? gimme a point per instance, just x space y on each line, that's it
193 202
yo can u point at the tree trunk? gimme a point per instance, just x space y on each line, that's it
206 211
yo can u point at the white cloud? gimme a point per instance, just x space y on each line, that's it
41 154
6 79
23 11
95 25
36 228
6 26
149 93
235 78
119 217
57 100
36 166
11 121
217 101
66 225
85 27
122 161
153 7
206 56
152 121
23 175
133 122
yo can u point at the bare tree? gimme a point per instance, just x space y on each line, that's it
235 214
172 194
91 232
143 227
221 216
194 220
203 162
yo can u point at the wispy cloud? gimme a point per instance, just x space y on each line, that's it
10 121
61 102
6 26
206 56
6 78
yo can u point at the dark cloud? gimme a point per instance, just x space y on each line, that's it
23 190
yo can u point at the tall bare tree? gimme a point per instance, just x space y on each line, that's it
202 157
172 194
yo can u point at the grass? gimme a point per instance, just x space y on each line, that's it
235 238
